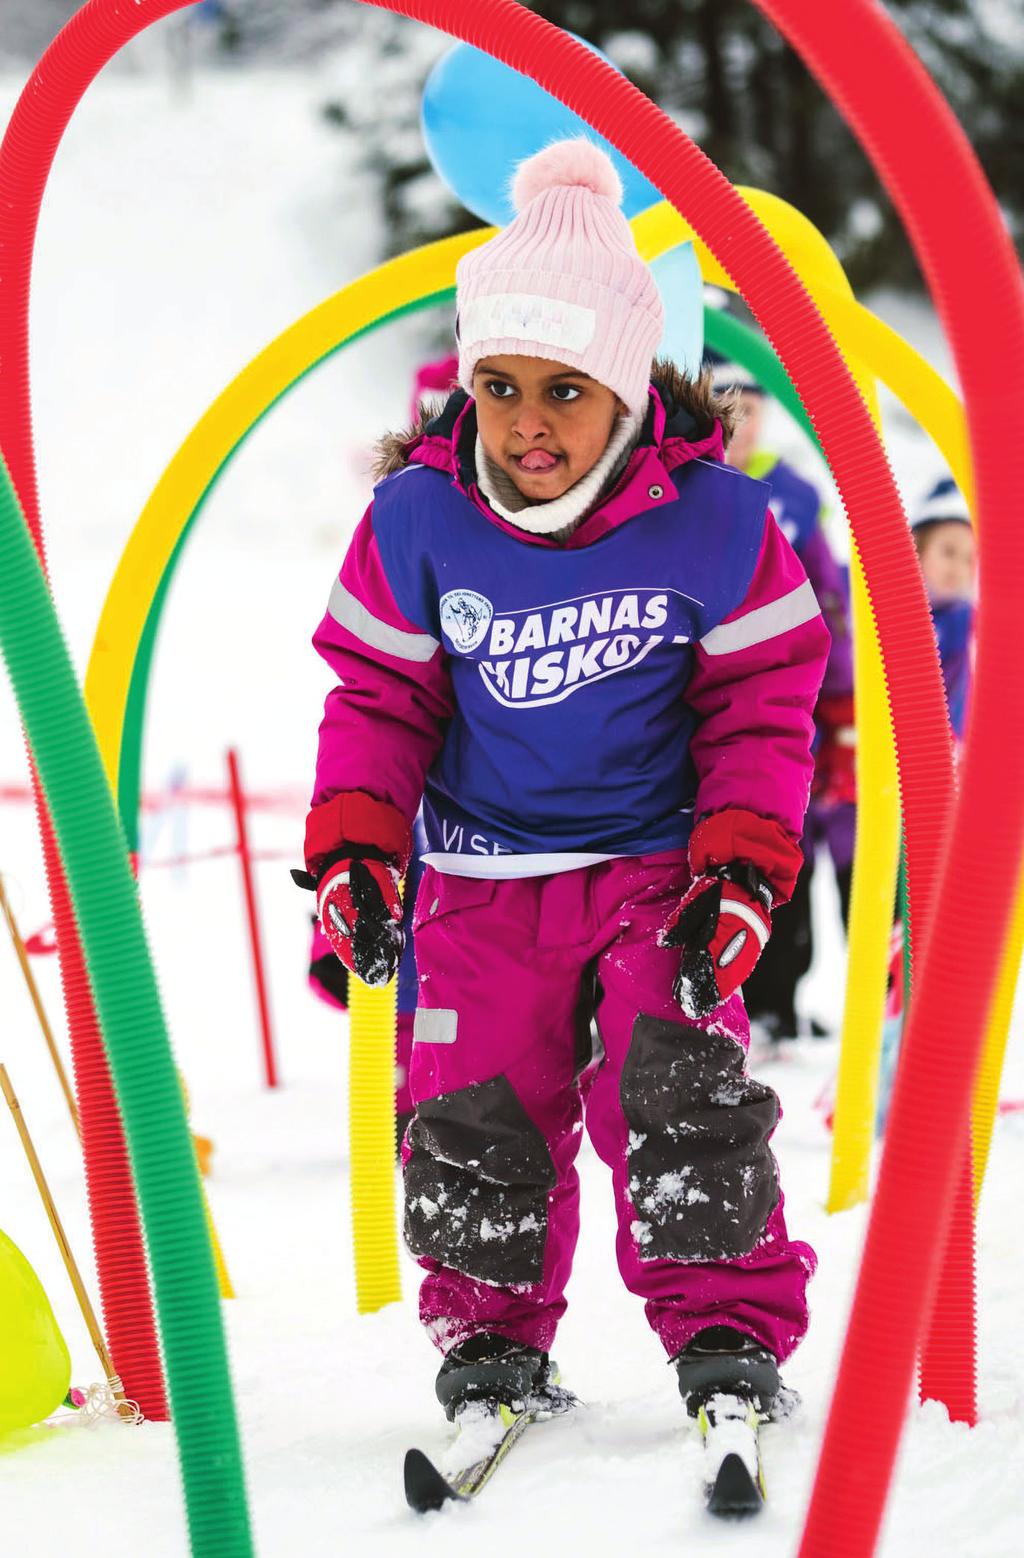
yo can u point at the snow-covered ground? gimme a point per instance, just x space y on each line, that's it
180 233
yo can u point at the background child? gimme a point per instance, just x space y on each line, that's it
944 539
584 642
434 381
770 992
945 547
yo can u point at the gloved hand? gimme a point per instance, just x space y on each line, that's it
356 850
360 910
722 925
835 777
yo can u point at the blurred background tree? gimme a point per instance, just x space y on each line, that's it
725 76
715 66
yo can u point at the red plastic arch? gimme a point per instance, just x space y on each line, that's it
895 108
925 1144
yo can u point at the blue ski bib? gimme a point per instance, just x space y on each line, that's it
569 666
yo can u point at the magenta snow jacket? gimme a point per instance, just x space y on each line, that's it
558 705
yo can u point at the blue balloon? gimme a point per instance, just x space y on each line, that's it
481 119
682 292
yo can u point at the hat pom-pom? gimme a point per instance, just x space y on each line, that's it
566 164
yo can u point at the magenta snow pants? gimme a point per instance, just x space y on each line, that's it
503 1076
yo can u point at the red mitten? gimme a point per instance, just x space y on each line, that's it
354 818
835 772
356 847
724 840
360 909
722 925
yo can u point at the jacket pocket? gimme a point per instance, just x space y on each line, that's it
442 895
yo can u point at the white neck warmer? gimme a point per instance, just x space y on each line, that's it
559 518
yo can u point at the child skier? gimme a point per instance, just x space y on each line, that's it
582 639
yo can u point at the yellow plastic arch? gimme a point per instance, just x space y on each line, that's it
874 875
224 1282
937 409
146 557
210 444
431 270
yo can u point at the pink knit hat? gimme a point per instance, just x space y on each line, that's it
564 280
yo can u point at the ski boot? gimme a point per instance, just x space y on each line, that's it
493 1369
721 1361
774 1030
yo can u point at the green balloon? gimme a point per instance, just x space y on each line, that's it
35 1366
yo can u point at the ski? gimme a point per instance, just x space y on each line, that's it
486 1432
428 1488
733 1472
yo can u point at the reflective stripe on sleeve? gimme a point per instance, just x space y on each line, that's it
755 627
362 624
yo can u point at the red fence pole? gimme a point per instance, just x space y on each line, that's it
249 888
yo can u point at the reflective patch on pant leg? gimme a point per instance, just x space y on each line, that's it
476 1184
434 1025
702 1177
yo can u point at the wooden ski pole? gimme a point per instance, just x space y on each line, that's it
37 1002
125 1408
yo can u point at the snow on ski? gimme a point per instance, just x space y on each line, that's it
733 1473
486 1432
427 1487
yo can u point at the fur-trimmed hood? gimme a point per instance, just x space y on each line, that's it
698 397
685 400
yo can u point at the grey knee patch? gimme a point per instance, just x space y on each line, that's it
702 1177
476 1184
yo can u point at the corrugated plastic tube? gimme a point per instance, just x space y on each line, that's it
206 1430
954 223
957 232
107 907
852 47
29 145
795 328
125 1294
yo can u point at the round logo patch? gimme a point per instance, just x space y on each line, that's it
465 618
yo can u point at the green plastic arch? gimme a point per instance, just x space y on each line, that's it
128 1003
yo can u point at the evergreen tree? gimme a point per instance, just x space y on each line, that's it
728 78
715 66
27 27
